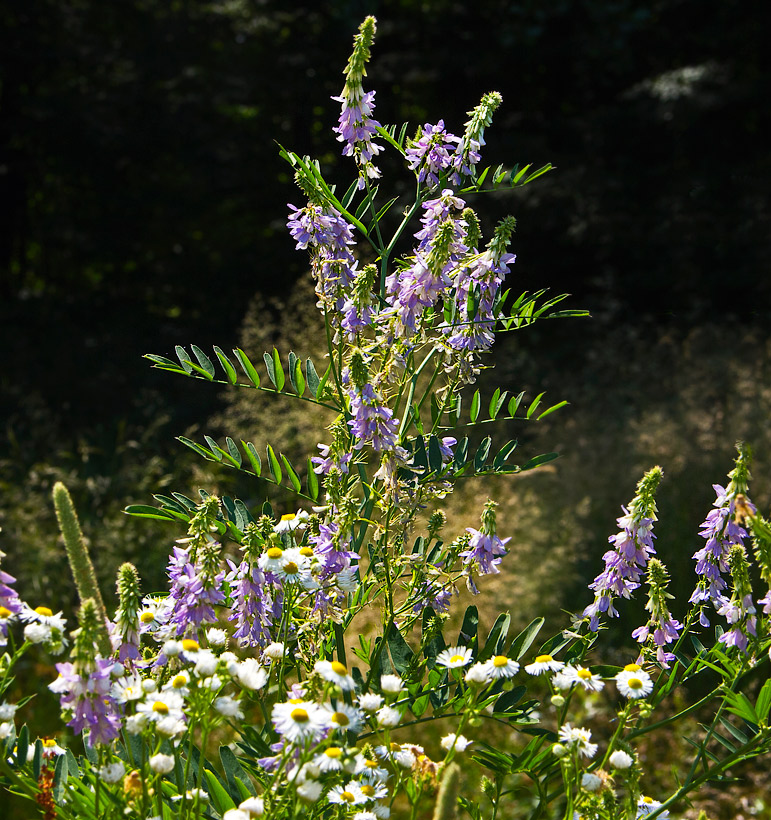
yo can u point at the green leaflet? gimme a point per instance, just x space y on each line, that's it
247 366
227 366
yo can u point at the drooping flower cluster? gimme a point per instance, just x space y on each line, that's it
477 287
632 547
739 610
721 530
84 684
661 628
485 549
356 126
10 603
432 153
328 237
441 244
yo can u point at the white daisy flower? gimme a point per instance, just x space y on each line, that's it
161 763
374 790
271 559
346 580
634 684
578 738
159 705
205 662
647 805
294 566
335 672
251 675
192 795
127 689
365 815
216 637
620 759
457 742
478 675
149 685
370 702
255 806
8 710
112 772
543 663
171 648
179 683
388 717
331 759
569 675
501 667
50 747
344 717
591 782
381 811
391 684
397 753
236 814
5 729
371 770
309 791
274 651
228 706
299 719
350 794
292 521
135 724
454 657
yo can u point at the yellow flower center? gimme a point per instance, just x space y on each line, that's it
160 707
340 718
367 790
179 681
347 796
274 553
300 716
189 645
395 747
457 659
371 764
307 552
290 568
4 612
544 659
500 661
339 668
288 517
334 752
295 700
634 683
647 799
584 674
44 610
632 667
147 617
49 742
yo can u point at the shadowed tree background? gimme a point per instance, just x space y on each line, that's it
143 202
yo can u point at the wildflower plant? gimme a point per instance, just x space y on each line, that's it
251 646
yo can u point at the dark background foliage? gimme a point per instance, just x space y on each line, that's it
142 204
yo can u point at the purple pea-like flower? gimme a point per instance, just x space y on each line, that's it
88 698
432 153
624 564
251 608
10 603
372 422
485 551
192 597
